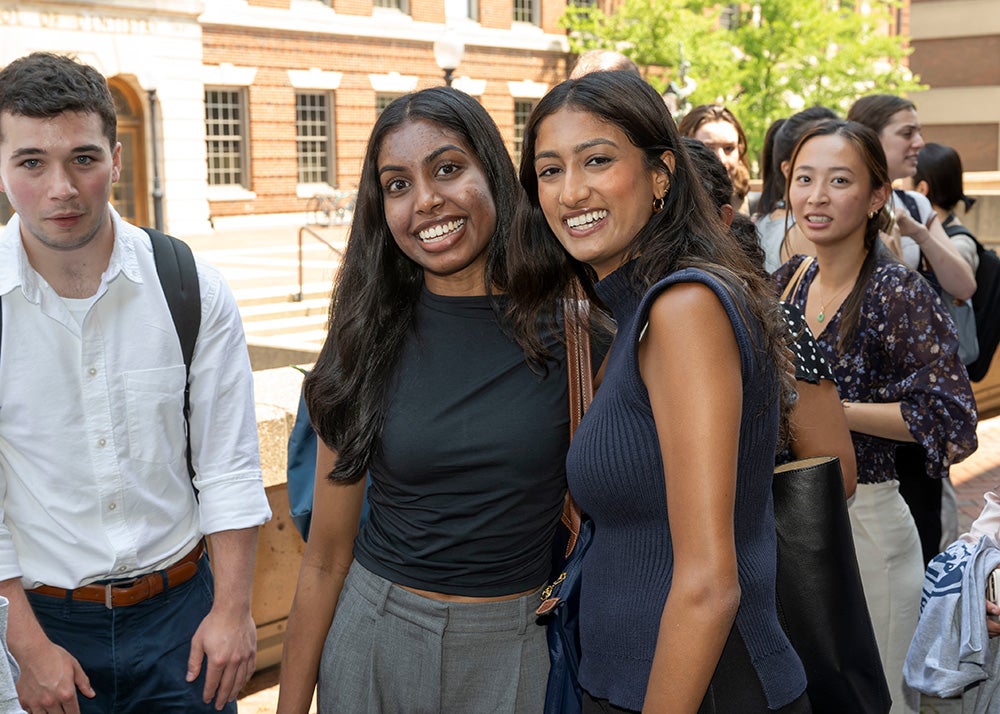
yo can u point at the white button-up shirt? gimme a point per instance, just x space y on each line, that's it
93 477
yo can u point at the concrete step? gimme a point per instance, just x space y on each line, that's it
313 307
257 292
287 326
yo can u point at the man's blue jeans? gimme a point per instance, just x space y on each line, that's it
136 656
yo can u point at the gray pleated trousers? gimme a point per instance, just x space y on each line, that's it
390 651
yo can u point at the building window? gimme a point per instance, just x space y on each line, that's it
522 110
401 5
384 100
526 11
225 131
313 134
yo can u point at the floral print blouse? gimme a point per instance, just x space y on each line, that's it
905 350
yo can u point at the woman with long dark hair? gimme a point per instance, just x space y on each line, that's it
894 355
674 459
779 238
429 607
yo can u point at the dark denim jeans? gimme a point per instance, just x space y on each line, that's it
136 656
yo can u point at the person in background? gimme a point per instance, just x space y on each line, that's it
817 425
429 607
603 61
779 238
939 178
769 196
674 459
113 606
923 245
894 356
718 128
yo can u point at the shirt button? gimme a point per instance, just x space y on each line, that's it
112 506
101 443
122 568
92 371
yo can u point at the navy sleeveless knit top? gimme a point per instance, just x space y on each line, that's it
615 472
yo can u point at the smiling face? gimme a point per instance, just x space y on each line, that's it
722 138
594 187
57 173
901 141
831 192
438 205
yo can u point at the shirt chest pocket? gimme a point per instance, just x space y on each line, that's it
154 400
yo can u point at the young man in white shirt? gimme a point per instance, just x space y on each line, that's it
101 538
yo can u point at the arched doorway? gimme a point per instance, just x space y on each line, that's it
130 195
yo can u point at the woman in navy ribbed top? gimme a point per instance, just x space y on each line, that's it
674 459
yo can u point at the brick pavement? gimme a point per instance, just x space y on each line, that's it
977 474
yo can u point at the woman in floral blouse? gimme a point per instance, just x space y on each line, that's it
894 354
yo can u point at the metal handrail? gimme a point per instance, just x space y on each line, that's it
308 229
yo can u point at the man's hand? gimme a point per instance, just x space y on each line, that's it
50 677
228 641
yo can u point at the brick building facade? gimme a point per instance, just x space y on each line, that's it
257 105
956 50
243 110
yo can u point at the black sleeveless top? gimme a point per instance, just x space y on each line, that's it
468 486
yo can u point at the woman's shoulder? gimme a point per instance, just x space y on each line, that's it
719 281
890 274
700 284
782 275
894 283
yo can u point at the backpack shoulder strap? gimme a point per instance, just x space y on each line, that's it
178 274
910 203
175 267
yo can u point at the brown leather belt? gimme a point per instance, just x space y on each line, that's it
131 592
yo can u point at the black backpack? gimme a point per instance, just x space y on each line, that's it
986 301
175 267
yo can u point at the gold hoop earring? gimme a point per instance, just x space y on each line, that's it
658 204
871 215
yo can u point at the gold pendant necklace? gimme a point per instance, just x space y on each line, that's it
823 303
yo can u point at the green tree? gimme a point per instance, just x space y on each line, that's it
780 56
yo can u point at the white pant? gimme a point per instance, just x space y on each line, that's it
892 571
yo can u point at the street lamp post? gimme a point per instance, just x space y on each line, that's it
448 51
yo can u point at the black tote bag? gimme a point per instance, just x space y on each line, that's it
821 601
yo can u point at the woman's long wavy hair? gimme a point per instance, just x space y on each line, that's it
866 142
377 288
687 232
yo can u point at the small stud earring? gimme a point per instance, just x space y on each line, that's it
871 215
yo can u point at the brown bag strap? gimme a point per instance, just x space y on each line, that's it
793 284
576 317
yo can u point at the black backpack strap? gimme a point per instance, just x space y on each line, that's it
910 203
178 276
956 229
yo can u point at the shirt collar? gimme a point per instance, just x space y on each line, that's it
16 271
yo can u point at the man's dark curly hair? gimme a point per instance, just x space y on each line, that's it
43 85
